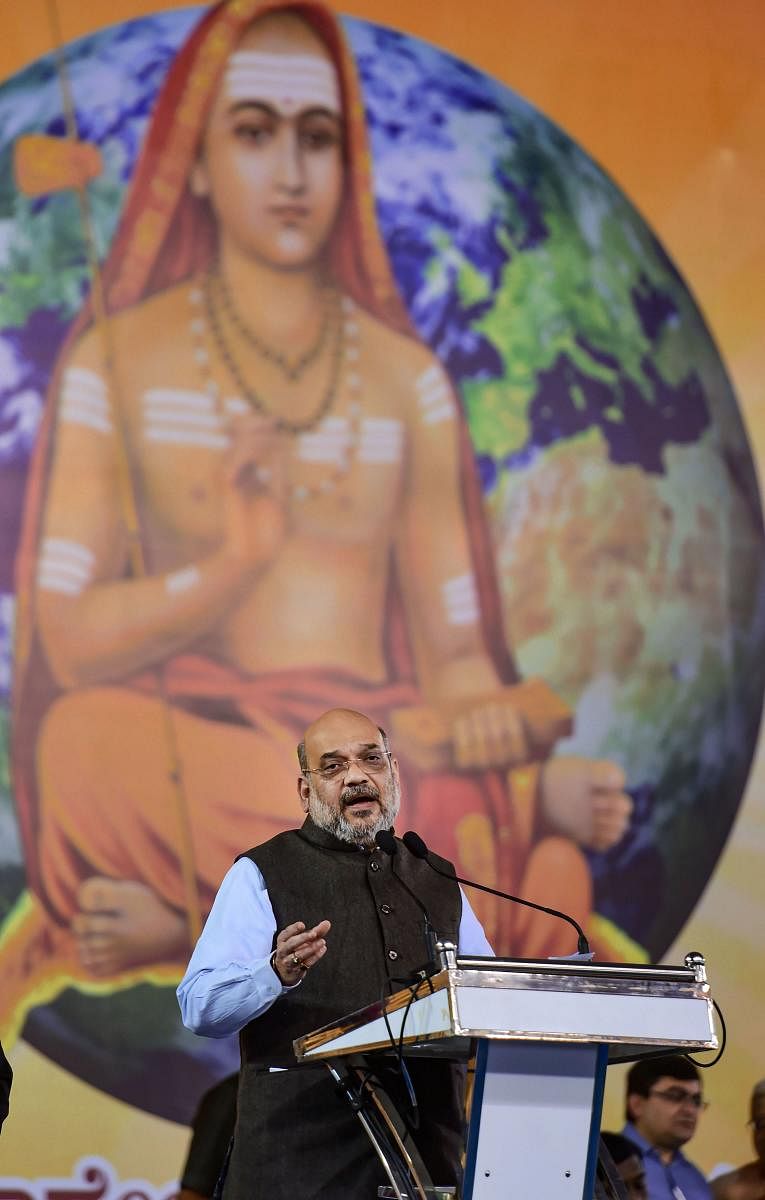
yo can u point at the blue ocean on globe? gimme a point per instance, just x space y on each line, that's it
618 481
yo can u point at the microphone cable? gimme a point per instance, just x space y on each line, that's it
723 1041
418 848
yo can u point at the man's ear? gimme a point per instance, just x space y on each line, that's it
199 181
304 791
635 1103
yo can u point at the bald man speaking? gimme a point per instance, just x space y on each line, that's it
306 927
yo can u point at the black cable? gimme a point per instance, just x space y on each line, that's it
723 1041
414 1120
404 1070
409 1003
664 1051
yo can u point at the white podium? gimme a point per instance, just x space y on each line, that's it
543 1033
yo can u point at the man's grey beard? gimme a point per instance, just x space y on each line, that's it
334 821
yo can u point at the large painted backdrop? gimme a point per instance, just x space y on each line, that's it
577 309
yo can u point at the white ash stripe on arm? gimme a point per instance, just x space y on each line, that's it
85 400
182 581
434 396
64 566
460 598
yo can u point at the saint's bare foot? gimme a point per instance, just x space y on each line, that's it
123 923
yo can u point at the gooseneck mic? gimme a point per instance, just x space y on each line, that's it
417 847
387 843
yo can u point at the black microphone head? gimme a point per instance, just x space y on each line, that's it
386 842
415 844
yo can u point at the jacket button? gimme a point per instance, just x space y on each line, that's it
393 955
374 866
386 908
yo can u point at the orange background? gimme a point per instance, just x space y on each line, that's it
669 97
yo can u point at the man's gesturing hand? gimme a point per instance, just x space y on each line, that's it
298 949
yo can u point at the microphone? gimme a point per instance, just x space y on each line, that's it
387 843
417 847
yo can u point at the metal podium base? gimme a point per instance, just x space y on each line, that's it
536 1116
444 1193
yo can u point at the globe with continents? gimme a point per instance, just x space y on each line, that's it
617 479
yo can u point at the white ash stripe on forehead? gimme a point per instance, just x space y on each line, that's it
381 440
65 566
327 444
182 417
84 400
287 80
434 396
461 600
306 66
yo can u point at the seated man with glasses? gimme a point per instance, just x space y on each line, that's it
748 1182
309 926
664 1102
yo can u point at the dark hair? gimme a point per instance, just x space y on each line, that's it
303 757
620 1147
645 1073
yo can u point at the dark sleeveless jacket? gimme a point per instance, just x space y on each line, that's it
376 939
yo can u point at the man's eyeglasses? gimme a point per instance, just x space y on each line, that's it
371 762
676 1095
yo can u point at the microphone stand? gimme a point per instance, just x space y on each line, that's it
387 843
417 847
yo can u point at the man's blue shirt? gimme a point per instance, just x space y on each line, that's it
679 1180
229 980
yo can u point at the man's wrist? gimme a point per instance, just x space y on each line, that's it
288 987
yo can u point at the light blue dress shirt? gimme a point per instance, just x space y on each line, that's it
680 1180
229 980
